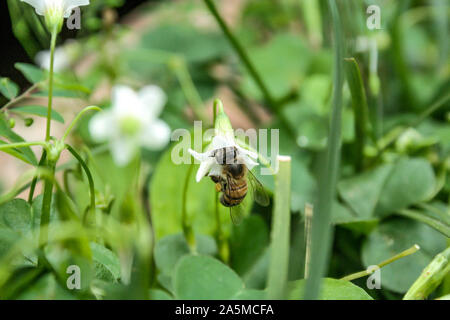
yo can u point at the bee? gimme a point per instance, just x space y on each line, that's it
234 183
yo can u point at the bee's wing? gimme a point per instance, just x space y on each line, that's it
259 194
237 213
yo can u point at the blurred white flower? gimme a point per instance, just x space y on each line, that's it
64 7
208 163
55 11
132 122
61 59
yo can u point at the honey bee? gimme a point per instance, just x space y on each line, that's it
234 183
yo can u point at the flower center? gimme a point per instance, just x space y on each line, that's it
129 125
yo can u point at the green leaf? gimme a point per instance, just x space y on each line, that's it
45 288
411 181
331 289
107 264
248 243
16 215
8 88
38 111
361 192
394 236
156 294
5 131
166 189
250 294
31 73
205 278
279 77
171 248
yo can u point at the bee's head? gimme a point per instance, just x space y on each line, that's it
236 170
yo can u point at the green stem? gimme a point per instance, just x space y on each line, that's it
224 250
35 179
430 110
431 277
50 82
46 206
22 144
280 235
363 273
21 97
77 118
187 228
273 105
90 180
321 229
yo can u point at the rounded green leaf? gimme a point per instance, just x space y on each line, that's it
203 277
331 289
410 181
394 236
171 248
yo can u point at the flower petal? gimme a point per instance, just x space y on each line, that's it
125 103
69 5
101 126
249 163
246 152
154 98
200 156
220 142
38 5
204 168
122 151
216 170
156 135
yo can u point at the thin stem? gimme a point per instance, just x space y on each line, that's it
187 229
308 218
367 272
21 97
187 85
77 118
35 179
46 206
22 144
435 106
50 83
90 180
273 105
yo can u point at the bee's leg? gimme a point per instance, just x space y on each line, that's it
218 187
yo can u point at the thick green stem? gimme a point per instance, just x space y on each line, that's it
280 235
35 179
50 82
46 205
431 277
321 229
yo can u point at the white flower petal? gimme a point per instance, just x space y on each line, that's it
154 98
220 142
156 135
61 59
249 163
126 103
39 5
216 170
122 151
204 168
200 156
69 5
101 126
246 152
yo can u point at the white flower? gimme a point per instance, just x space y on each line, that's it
61 59
55 11
208 163
65 7
132 122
